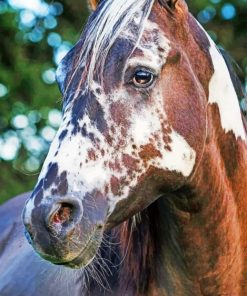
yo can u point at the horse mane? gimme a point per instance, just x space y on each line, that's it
232 68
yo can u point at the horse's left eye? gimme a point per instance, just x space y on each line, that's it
143 78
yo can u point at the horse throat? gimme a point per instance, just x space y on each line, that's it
191 242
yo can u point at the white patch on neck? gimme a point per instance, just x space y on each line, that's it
222 92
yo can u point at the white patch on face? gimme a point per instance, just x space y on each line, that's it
143 125
222 92
181 158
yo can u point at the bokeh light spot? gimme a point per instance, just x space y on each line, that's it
61 51
32 164
54 39
40 8
27 18
206 14
36 35
55 118
35 145
228 11
49 76
34 116
9 147
3 90
56 8
48 133
20 121
215 1
50 22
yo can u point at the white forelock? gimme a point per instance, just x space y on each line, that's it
106 25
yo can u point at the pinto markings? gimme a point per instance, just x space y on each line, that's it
143 127
222 92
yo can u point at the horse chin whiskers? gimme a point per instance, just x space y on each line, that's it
87 251
136 219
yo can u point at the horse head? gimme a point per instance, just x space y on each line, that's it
135 93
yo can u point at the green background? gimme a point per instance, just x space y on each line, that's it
33 40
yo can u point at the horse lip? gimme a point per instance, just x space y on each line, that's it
91 245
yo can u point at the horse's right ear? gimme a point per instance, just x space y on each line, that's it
173 6
63 71
66 66
93 4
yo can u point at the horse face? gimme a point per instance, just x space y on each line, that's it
131 133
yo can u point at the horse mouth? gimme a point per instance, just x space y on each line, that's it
89 251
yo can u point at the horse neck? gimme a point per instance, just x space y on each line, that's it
219 191
193 242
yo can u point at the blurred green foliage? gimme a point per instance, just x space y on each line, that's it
34 35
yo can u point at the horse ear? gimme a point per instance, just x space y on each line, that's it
93 4
168 3
66 66
174 5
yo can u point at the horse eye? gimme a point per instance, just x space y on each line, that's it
143 78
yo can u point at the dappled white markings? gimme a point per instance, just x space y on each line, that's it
153 45
55 145
146 126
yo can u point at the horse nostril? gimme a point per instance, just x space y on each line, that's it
63 214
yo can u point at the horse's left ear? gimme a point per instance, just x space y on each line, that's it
93 4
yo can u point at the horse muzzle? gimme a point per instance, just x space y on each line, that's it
63 231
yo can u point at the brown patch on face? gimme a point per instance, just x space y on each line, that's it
148 152
109 139
119 113
114 165
91 154
113 130
124 131
106 189
129 162
167 139
115 186
168 148
166 128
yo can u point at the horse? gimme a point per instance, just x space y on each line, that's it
143 191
